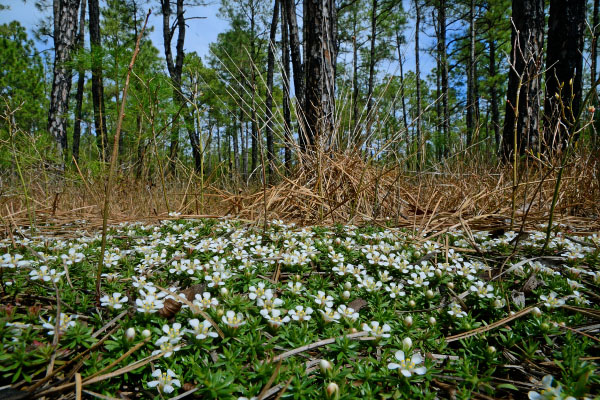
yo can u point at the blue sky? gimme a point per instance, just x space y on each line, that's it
202 32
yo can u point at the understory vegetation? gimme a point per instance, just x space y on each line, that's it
221 308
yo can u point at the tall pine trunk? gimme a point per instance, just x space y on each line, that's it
269 101
564 64
285 59
527 42
298 68
494 94
319 99
65 30
371 83
419 139
80 86
97 81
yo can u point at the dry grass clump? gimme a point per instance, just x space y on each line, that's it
328 188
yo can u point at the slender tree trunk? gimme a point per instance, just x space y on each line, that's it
269 101
175 68
594 45
245 150
527 40
236 149
254 133
80 85
65 30
298 68
371 70
564 64
471 78
97 81
420 145
355 88
445 89
319 99
285 59
494 94
402 95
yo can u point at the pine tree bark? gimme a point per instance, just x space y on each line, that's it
175 68
371 69
269 100
420 144
65 30
594 44
97 80
494 93
402 95
444 77
297 66
319 99
80 86
285 59
564 64
471 79
527 42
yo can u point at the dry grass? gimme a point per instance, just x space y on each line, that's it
335 188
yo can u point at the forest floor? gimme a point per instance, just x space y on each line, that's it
225 308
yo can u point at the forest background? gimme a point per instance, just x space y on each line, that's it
426 107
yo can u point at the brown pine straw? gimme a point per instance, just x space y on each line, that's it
341 188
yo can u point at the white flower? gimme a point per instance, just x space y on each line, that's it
257 292
149 304
330 315
65 322
173 332
203 302
268 302
46 275
551 301
456 311
376 330
408 367
216 279
323 300
369 283
295 287
12 261
233 320
274 317
164 381
166 346
300 314
201 330
482 290
72 257
395 289
113 302
548 392
347 312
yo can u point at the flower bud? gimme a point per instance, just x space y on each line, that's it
412 304
438 272
224 291
491 350
536 311
329 249
332 390
146 333
450 285
353 330
346 295
325 366
431 321
347 285
408 321
338 241
406 344
498 303
130 334
220 312
429 294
